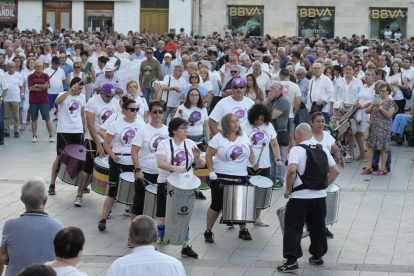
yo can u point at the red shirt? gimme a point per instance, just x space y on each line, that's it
171 46
40 97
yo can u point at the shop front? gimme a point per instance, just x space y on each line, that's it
316 21
248 20
381 18
58 14
99 16
8 14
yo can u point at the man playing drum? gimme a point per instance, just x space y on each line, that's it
98 109
175 155
71 122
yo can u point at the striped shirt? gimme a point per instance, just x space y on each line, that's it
304 88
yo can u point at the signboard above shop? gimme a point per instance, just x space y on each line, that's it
58 4
246 19
8 12
393 18
316 21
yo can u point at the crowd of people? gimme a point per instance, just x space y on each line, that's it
244 101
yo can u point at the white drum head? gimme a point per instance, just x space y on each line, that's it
151 189
127 176
102 162
332 188
261 181
184 181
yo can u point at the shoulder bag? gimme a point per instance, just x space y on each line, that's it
408 93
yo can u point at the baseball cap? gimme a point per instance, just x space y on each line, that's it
168 55
238 82
108 88
311 58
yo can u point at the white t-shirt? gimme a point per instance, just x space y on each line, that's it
124 133
14 82
231 157
410 76
208 86
291 91
390 79
227 105
148 139
102 112
173 97
142 105
115 116
298 156
258 136
214 78
70 116
49 57
68 270
56 81
398 36
195 116
387 34
263 81
327 140
180 157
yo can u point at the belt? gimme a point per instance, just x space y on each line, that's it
123 154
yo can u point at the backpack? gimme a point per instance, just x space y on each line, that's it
316 172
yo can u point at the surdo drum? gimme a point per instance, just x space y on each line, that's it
72 160
126 188
150 202
281 216
239 203
263 191
100 175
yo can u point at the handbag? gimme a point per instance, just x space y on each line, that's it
408 93
283 138
338 104
314 106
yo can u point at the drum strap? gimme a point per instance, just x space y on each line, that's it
186 155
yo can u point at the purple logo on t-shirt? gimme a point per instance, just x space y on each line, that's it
155 141
180 157
127 135
237 153
194 118
258 137
73 106
240 112
105 114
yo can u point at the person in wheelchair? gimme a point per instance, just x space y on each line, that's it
398 126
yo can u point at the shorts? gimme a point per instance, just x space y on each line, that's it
44 111
90 155
217 190
262 172
64 139
290 125
115 170
161 200
139 198
52 98
169 111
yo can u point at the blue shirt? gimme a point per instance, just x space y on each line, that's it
200 88
167 70
68 69
159 55
140 56
283 62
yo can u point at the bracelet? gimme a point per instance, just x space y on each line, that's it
137 170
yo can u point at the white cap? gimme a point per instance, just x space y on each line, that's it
168 55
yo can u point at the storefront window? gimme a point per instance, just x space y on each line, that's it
381 18
8 14
316 21
100 20
246 19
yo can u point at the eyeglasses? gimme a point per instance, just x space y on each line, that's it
194 77
149 53
238 87
359 64
133 109
194 95
109 96
159 111
76 67
234 72
383 91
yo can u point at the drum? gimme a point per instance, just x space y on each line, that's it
126 188
333 193
150 202
281 216
264 191
239 203
180 205
100 175
72 160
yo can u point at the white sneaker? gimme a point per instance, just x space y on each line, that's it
78 201
127 212
261 222
34 139
51 139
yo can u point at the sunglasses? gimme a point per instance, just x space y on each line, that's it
157 111
109 96
149 53
194 77
76 67
133 109
234 72
238 87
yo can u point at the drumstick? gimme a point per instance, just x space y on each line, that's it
238 180
180 111
261 151
148 182
84 150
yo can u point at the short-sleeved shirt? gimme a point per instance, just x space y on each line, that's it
171 46
258 136
56 79
14 82
70 114
42 96
173 96
200 88
149 71
116 81
282 104
292 91
195 116
67 69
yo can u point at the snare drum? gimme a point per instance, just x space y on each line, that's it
281 216
263 191
100 175
333 193
126 188
72 162
239 203
150 202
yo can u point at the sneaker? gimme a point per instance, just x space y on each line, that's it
189 253
329 234
102 225
109 215
55 119
55 112
51 139
230 224
1 142
129 245
209 236
127 212
316 261
261 222
288 266
200 196
278 185
86 190
51 189
16 135
78 201
388 169
34 139
6 135
245 235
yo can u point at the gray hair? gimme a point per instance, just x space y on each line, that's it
293 49
34 193
207 64
308 49
178 67
282 49
193 65
244 57
235 66
301 68
143 230
195 56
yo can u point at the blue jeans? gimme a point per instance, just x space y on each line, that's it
400 123
301 116
377 155
327 118
148 95
2 121
276 172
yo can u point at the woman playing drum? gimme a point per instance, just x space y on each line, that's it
121 132
185 152
232 150
261 134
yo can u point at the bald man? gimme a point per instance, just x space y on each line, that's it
305 205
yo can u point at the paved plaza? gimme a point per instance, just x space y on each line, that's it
374 234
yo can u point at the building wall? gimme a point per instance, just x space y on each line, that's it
29 15
127 16
180 15
78 18
280 16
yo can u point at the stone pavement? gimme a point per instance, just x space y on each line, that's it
374 234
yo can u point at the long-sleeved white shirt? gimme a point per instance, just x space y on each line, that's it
347 93
321 89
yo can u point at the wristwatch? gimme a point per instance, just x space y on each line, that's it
137 170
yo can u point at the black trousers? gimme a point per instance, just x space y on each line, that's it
139 197
313 212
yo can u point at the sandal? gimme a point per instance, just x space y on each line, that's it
382 172
367 171
359 157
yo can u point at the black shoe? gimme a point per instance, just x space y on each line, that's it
55 119
51 189
329 234
245 235
209 236
375 168
86 190
55 113
1 142
6 135
388 169
289 266
189 253
102 225
230 224
201 196
16 135
315 261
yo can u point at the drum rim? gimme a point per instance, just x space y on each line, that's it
192 187
260 176
73 145
99 158
126 180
